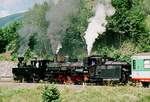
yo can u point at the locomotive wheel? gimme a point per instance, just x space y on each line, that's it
145 84
124 79
28 80
18 79
35 78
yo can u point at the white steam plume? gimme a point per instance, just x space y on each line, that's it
58 48
98 22
58 18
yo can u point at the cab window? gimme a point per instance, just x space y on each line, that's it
134 64
147 63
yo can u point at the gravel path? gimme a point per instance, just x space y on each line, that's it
14 85
17 85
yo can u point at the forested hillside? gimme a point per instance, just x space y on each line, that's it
4 21
127 30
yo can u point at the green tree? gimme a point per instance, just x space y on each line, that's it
38 41
8 36
126 25
146 6
129 19
51 94
3 43
36 16
73 43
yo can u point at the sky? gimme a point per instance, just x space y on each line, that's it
8 7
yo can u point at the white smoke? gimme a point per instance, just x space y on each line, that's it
58 48
58 18
98 22
25 33
55 1
31 29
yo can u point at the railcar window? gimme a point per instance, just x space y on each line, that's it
134 64
147 63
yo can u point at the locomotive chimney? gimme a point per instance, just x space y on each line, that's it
21 62
20 59
66 59
55 57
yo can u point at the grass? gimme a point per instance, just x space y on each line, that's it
79 94
20 95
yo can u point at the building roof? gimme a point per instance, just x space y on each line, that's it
115 63
145 55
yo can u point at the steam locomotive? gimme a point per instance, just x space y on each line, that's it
93 69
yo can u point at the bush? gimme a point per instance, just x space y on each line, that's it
51 94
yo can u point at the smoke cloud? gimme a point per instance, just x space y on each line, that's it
34 31
98 22
25 33
50 38
58 18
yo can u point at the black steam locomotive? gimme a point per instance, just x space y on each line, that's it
93 69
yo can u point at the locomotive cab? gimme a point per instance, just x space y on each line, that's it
92 63
104 69
93 60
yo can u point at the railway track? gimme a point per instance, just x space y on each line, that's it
8 82
13 85
6 78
